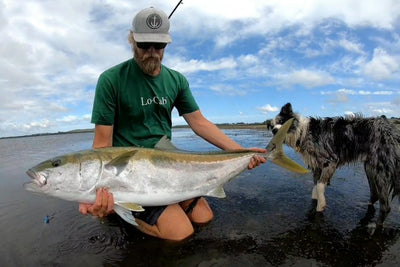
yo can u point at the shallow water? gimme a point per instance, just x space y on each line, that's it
266 219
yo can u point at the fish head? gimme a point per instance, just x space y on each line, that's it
56 174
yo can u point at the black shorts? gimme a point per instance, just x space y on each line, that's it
150 215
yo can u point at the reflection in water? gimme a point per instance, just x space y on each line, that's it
320 241
316 241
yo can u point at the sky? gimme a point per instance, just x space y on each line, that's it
243 59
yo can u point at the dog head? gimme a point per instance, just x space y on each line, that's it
285 114
297 129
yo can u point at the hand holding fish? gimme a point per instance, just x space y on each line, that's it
257 160
103 206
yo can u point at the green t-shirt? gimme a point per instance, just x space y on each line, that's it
139 106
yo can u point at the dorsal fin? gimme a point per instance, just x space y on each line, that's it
165 144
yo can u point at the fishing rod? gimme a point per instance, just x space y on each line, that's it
180 2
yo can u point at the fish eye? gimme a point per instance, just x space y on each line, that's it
56 162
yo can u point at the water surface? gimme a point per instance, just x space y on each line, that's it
266 219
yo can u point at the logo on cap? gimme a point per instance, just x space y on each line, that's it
154 21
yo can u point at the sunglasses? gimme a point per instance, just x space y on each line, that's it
157 46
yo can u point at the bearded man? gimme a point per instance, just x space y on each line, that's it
132 107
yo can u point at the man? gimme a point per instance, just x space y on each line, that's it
132 107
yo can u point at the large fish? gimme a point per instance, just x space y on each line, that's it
147 177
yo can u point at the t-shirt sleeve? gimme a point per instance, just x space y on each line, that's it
185 102
104 104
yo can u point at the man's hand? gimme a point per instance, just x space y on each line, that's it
104 204
257 159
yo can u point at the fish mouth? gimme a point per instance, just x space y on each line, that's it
31 186
35 177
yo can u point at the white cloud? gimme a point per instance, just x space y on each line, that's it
346 91
237 20
351 46
35 125
194 65
268 109
396 101
248 60
349 114
307 78
228 90
51 52
381 108
339 97
382 66
360 92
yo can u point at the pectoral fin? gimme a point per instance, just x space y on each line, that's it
217 192
118 164
129 206
125 214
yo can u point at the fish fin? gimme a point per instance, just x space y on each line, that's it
277 155
129 206
119 164
165 144
125 214
217 192
280 136
279 158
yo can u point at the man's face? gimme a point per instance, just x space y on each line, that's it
149 57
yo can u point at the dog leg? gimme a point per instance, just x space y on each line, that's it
314 193
370 170
320 192
383 213
325 177
384 206
316 177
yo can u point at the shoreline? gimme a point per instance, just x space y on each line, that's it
262 126
221 126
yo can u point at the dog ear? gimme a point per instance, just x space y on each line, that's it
287 109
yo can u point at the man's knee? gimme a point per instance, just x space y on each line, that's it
181 232
173 224
201 213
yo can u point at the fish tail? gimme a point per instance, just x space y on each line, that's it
278 156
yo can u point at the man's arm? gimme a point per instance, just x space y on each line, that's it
104 203
102 136
212 134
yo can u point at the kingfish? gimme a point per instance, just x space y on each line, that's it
140 177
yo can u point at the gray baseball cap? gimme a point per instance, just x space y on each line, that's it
151 25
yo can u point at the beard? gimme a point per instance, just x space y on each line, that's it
149 63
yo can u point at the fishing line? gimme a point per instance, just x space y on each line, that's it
180 2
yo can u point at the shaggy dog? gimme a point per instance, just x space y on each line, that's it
329 143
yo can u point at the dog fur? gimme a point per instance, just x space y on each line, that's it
326 144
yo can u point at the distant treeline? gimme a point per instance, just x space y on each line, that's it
239 125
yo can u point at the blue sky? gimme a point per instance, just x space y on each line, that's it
243 59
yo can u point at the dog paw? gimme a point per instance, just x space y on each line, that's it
371 228
321 207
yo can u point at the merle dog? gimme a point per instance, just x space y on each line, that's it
326 144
